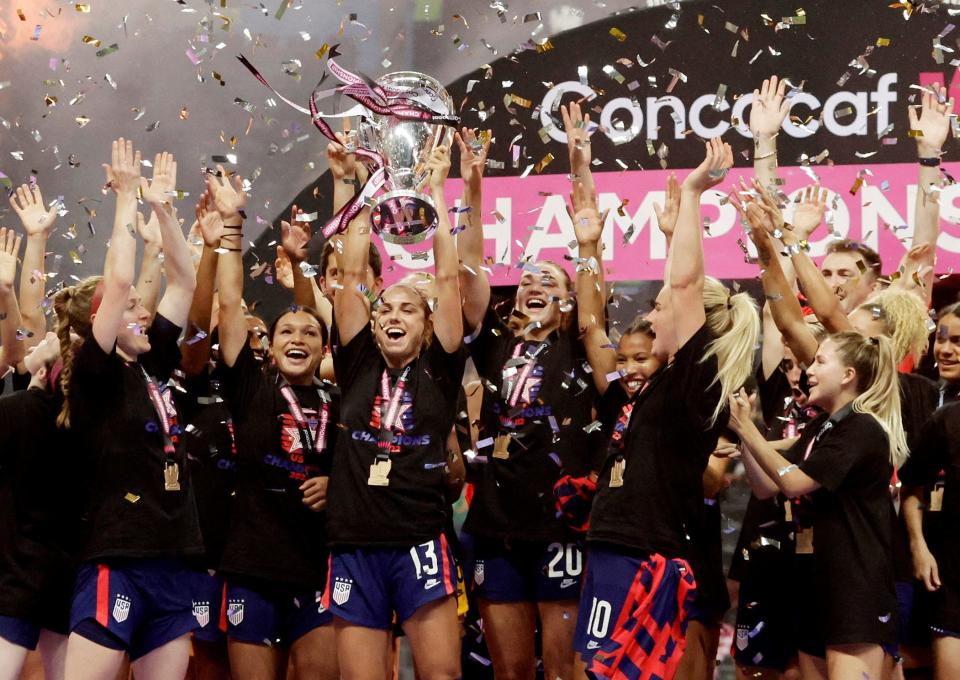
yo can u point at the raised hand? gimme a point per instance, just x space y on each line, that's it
123 172
158 190
576 125
473 157
769 109
341 159
43 354
713 169
9 248
587 221
809 212
741 414
439 167
149 230
284 268
294 236
209 222
29 206
770 206
667 213
933 121
228 198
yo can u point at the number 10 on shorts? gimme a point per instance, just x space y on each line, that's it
598 625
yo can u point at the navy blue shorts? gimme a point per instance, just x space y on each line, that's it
208 597
19 632
142 604
526 571
766 617
606 586
262 613
366 586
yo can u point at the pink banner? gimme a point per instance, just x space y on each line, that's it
526 218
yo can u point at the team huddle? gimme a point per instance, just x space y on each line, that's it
187 488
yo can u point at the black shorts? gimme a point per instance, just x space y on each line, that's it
945 617
765 614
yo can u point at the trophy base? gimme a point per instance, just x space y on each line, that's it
404 217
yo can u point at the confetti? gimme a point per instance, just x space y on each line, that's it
618 34
108 50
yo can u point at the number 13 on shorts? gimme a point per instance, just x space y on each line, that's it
425 560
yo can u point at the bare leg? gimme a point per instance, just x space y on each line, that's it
857 662
11 659
558 621
210 660
314 656
946 657
812 667
434 635
53 649
361 652
86 660
249 661
509 629
699 658
167 662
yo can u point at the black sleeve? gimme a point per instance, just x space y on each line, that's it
772 392
485 342
930 455
243 382
96 377
20 381
164 355
355 356
10 415
697 378
854 440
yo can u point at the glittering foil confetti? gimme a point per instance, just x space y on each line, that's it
82 7
544 162
618 34
108 50
614 73
90 40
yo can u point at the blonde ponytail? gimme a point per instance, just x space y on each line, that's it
875 362
72 306
735 323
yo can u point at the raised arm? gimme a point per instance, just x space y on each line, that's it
348 173
351 308
196 346
933 125
181 276
767 113
474 284
784 307
295 235
123 176
37 223
448 316
576 125
229 200
148 283
686 249
591 296
10 321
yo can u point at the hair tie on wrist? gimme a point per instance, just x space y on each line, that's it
930 162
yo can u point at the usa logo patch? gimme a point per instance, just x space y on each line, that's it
478 573
341 590
235 612
121 608
201 612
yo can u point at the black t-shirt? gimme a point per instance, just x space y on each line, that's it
130 513
852 520
938 449
412 508
39 500
212 456
273 535
541 395
668 443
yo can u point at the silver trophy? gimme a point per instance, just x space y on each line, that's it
404 214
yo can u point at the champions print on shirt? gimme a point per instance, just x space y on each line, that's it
403 434
294 458
520 390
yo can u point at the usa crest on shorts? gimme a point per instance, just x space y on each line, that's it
235 612
478 573
341 590
201 612
121 608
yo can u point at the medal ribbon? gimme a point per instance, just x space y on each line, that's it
169 448
389 409
293 406
525 373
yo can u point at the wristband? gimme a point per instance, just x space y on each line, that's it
930 162
786 470
797 248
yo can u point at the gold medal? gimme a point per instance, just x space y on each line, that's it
936 498
380 473
501 447
805 542
171 477
616 473
788 510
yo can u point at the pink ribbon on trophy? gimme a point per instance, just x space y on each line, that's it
381 100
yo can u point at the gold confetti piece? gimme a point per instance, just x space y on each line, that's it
520 101
855 188
324 48
90 40
545 46
108 50
131 497
219 78
544 162
21 15
82 7
915 133
618 34
50 100
184 113
883 42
